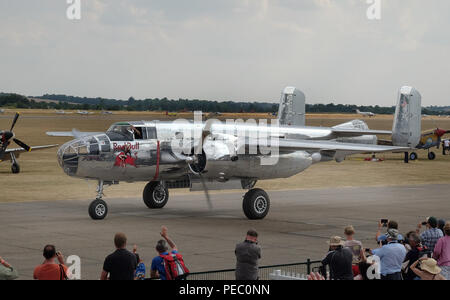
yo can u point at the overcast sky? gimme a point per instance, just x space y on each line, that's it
240 50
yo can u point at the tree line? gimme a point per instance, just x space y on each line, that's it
64 102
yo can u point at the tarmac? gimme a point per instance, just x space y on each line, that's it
297 227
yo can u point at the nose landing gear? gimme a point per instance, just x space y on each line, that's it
98 209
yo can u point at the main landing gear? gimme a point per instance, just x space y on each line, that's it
98 209
413 156
256 202
15 167
156 195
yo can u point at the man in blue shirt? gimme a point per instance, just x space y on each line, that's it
392 256
158 269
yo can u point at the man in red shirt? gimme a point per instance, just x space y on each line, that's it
50 270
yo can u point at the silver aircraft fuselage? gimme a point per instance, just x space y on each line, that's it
153 152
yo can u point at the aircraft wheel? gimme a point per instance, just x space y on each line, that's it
98 209
15 168
256 204
431 156
413 156
155 195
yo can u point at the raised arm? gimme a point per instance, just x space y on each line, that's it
168 239
415 270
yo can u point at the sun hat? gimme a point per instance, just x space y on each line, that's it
430 265
336 241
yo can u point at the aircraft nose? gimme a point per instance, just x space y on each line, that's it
70 153
68 156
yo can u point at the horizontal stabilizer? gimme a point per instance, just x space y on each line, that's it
355 132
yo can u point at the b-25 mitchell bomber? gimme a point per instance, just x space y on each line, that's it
211 155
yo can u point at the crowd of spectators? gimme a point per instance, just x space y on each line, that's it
422 254
417 256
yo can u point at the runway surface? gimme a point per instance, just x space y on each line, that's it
297 227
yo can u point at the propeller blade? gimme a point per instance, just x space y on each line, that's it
205 188
22 144
16 117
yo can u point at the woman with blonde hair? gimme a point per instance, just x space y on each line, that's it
356 247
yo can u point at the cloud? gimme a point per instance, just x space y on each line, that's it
227 49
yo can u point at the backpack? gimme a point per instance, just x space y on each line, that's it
174 266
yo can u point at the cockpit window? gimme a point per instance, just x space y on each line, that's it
140 133
151 133
121 132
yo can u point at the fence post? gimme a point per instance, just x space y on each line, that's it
308 266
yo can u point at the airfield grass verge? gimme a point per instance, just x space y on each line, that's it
41 178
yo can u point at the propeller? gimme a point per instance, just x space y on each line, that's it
22 144
10 135
196 158
205 189
16 117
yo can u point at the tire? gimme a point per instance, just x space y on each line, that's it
256 204
155 195
15 168
413 156
98 209
431 156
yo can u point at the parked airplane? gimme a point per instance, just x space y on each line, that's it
210 155
365 113
104 112
84 113
62 112
171 114
13 154
428 140
2 111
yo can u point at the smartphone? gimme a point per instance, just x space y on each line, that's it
384 222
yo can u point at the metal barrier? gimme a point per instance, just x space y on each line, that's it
264 272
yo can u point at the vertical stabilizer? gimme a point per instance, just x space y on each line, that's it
407 127
292 107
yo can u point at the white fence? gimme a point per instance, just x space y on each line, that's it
281 275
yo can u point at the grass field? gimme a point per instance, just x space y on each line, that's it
42 178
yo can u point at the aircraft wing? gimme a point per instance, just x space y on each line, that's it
74 133
314 145
31 150
355 133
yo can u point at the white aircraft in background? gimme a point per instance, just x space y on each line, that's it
104 112
2 111
62 112
365 113
84 112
